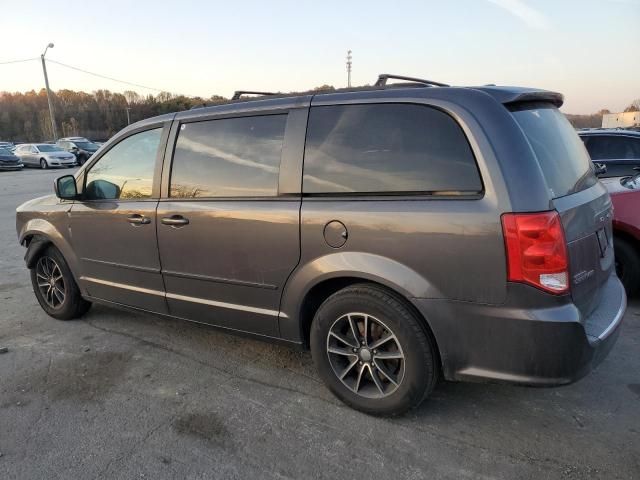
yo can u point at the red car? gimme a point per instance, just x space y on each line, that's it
625 194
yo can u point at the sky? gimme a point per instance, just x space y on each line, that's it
588 50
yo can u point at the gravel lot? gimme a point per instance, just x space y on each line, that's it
120 395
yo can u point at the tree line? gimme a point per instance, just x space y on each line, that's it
98 115
25 117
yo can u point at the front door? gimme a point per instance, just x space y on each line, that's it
113 228
227 240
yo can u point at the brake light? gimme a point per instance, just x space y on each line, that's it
536 250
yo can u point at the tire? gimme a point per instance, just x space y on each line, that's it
60 299
388 317
43 164
628 265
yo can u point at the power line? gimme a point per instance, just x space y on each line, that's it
105 76
19 61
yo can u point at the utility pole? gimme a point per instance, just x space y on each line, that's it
349 68
54 130
128 117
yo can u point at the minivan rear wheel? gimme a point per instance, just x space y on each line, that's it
55 288
372 351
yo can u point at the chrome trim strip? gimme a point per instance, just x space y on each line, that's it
122 265
232 306
208 278
123 286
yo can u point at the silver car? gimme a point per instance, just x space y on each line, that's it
44 155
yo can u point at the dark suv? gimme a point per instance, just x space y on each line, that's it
79 146
402 232
618 149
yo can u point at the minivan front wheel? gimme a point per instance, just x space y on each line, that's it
372 351
55 288
43 164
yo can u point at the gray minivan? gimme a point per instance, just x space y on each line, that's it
402 232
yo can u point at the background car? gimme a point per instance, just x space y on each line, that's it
618 149
625 194
8 161
8 146
44 155
81 147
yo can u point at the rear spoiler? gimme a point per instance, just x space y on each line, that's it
509 96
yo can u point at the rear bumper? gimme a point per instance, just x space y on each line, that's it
521 341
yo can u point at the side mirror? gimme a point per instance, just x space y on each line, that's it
600 168
65 187
74 149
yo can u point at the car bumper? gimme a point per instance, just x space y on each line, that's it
11 166
521 341
62 164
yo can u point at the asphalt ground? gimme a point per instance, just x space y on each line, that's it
123 395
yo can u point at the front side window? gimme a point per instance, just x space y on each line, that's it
126 170
387 148
232 157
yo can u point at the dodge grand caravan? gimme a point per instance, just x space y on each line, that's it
402 232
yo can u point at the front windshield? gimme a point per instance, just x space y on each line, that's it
87 145
4 151
49 148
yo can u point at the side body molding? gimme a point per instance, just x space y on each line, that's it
365 266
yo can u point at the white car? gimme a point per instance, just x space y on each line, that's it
44 155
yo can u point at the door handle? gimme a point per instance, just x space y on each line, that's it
137 219
175 221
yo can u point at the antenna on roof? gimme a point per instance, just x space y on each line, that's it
382 80
239 93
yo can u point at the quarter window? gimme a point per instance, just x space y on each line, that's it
233 157
387 148
126 170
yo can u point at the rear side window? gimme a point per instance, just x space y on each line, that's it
603 147
387 148
233 157
562 156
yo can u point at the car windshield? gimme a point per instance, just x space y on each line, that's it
4 151
86 145
49 148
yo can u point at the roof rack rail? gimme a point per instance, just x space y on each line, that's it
382 80
238 93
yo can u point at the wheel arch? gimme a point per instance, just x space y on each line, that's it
313 283
37 234
628 237
324 289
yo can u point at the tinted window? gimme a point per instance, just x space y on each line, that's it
126 170
386 148
602 147
562 156
231 157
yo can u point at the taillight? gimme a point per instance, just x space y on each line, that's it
536 250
